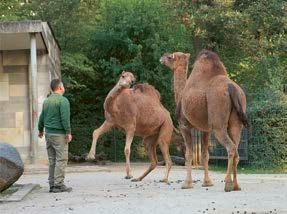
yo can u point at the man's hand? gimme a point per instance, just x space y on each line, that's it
69 138
41 134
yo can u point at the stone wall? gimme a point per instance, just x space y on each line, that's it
14 99
45 75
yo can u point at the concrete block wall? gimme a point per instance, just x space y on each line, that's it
44 79
14 99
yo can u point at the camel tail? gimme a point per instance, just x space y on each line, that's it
237 103
178 141
177 111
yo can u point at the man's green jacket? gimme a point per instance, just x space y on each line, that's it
55 116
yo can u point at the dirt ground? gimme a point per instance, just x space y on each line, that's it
103 189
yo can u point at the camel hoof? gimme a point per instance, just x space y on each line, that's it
136 180
128 177
237 188
187 185
165 180
207 183
229 186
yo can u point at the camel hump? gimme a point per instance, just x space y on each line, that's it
146 88
205 56
237 103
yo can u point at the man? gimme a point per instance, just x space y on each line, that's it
55 117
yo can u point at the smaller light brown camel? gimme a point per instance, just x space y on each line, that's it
137 112
210 102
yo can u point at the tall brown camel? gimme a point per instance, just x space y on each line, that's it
137 112
210 102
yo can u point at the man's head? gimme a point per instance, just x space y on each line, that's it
57 86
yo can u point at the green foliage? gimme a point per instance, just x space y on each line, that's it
10 10
268 141
100 38
132 35
129 35
249 36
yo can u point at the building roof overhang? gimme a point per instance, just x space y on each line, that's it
16 35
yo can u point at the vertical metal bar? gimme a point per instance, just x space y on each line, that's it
194 143
33 97
115 152
199 149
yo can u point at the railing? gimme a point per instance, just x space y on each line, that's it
216 150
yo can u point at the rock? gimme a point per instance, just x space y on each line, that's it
11 166
100 158
180 161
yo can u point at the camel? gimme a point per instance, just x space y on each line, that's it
210 102
137 112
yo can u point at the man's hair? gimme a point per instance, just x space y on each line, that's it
55 83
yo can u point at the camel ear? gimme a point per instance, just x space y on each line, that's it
123 72
174 57
187 55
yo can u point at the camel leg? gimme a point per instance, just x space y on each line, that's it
129 140
163 140
164 147
236 186
219 112
235 128
206 181
150 146
105 127
186 133
224 139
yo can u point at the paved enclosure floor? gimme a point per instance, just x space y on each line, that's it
103 189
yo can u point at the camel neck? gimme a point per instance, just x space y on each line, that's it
111 97
179 81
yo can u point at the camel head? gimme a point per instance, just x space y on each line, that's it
174 60
126 79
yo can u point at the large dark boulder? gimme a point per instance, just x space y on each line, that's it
11 166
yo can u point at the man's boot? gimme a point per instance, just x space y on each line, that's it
51 188
61 188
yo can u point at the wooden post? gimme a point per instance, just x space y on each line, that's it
33 97
195 144
199 152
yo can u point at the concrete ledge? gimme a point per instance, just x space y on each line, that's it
21 27
17 192
71 168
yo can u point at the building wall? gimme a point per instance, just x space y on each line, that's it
14 102
45 75
14 99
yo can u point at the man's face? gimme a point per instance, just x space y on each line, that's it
61 88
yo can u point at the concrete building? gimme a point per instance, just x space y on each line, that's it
29 59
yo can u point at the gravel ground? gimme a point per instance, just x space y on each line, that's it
103 189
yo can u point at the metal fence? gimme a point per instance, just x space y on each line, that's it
216 150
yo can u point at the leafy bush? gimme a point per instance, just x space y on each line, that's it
130 35
100 38
268 141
